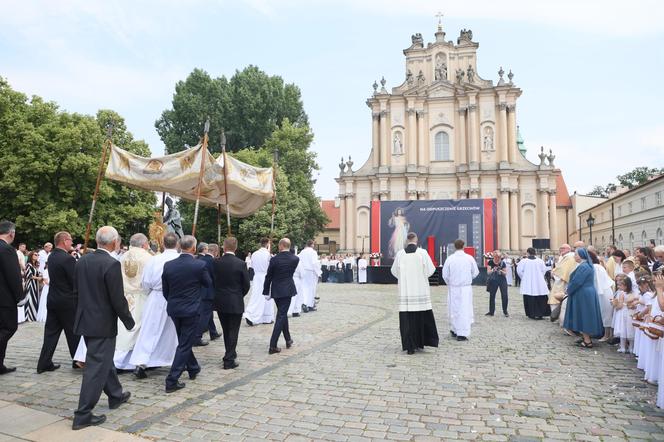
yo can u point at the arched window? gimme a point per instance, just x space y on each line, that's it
660 236
631 241
644 239
441 147
529 222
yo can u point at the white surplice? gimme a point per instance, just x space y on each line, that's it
458 272
133 264
604 286
298 299
259 310
531 272
157 339
310 273
413 271
362 270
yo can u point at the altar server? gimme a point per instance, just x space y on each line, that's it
533 287
458 272
310 273
259 310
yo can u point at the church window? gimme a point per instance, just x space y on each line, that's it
643 203
529 222
441 147
629 207
660 236
620 241
644 238
658 198
631 240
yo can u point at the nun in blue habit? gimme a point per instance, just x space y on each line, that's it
583 313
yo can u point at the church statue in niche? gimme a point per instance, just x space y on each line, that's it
440 73
409 78
470 74
397 148
488 138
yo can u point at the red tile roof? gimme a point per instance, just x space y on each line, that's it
333 213
562 194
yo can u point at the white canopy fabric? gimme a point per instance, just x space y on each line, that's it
249 187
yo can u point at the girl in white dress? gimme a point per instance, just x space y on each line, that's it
622 319
648 347
41 310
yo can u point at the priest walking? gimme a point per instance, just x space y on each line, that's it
458 272
412 267
310 273
533 287
259 310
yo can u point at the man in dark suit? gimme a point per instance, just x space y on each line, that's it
11 290
61 303
101 302
207 300
183 282
231 282
279 285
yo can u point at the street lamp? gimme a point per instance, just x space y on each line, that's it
590 222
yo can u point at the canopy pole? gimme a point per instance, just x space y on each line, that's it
223 152
200 175
105 148
218 223
163 202
275 160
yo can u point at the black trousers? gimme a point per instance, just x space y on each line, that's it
281 322
98 375
230 327
187 330
58 319
493 288
206 322
8 326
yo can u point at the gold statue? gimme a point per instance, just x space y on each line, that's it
157 230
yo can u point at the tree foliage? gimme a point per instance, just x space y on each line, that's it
50 160
249 106
631 179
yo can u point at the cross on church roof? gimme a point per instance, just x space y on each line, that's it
440 20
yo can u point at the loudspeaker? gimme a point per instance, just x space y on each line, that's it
541 243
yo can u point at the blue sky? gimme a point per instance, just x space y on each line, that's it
591 71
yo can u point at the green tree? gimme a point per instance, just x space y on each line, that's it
50 163
638 175
249 106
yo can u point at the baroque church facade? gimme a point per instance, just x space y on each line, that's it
447 133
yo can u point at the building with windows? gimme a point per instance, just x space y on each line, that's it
629 218
447 133
327 242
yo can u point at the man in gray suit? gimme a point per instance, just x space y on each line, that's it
101 301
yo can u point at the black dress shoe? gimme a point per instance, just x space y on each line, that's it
507 315
305 309
53 367
461 338
312 309
201 343
116 404
249 323
289 343
178 386
296 315
453 334
5 370
488 314
193 375
411 352
215 336
94 420
274 350
231 366
140 373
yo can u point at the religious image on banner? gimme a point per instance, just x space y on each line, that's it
437 223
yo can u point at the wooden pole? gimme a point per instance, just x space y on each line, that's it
218 223
107 146
200 175
228 212
163 202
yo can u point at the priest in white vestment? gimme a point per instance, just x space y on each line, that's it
531 270
157 339
362 265
412 266
133 264
310 273
259 310
458 272
561 272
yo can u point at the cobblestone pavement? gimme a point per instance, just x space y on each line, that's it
346 378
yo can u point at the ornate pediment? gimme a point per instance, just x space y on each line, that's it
441 89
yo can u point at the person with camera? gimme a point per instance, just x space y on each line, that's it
497 279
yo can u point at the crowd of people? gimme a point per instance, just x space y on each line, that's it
133 309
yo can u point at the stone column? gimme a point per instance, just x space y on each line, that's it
543 214
375 139
463 157
512 150
473 136
553 221
385 139
515 234
350 222
502 134
504 217
411 158
342 222
421 140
